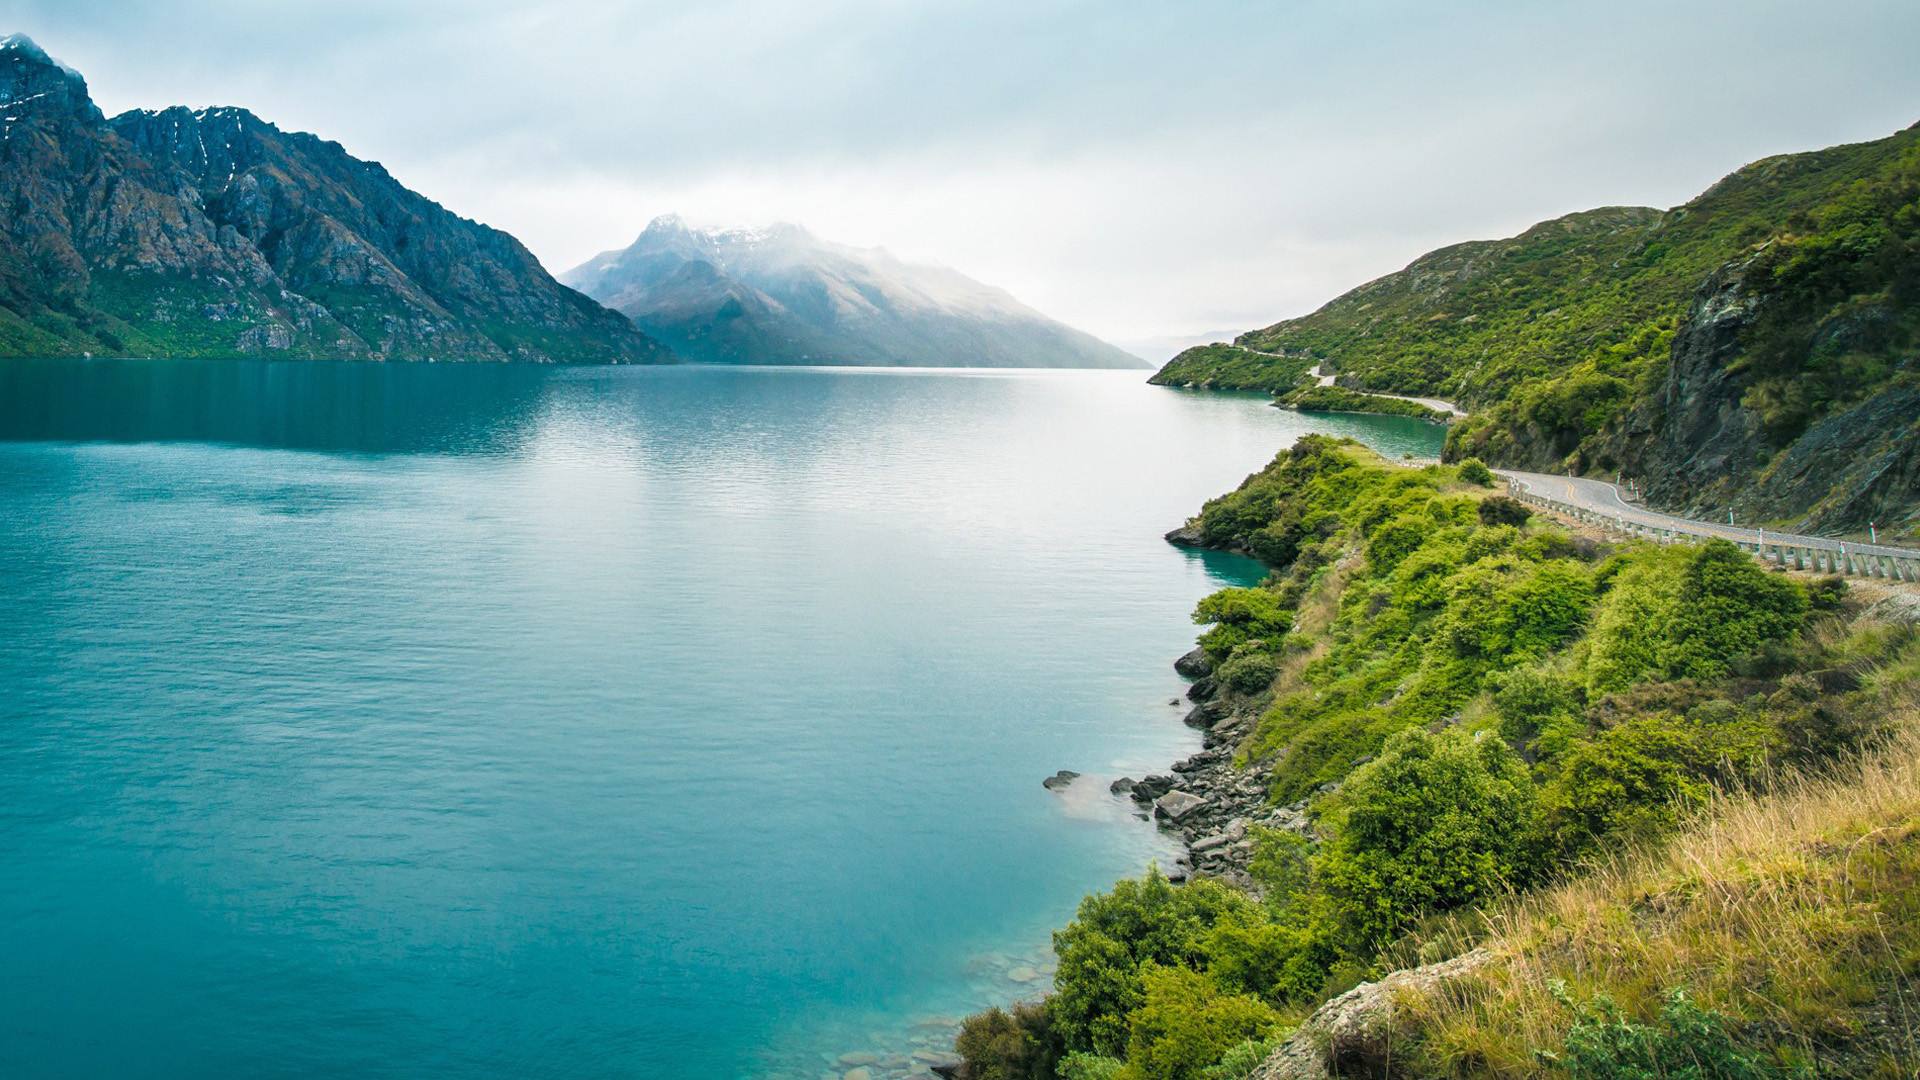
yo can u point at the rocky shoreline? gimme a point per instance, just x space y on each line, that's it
1208 800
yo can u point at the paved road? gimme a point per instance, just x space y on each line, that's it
1604 498
1434 403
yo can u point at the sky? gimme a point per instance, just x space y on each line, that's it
1155 173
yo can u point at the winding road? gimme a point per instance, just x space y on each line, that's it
1600 497
1436 404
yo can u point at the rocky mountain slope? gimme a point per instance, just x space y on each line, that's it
213 233
1753 349
783 296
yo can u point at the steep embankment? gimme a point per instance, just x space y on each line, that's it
1754 348
213 233
1448 702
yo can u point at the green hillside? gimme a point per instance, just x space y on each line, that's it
1662 780
1625 339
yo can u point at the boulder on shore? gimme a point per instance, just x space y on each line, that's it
1195 665
1188 535
1151 788
1175 805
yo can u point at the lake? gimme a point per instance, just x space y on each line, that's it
438 720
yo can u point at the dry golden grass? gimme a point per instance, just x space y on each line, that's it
1796 913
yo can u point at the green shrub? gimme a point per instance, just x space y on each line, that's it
1090 1067
1187 1024
1249 670
1501 510
1639 778
1239 1062
1237 616
1689 613
1538 710
1475 471
1687 1042
1115 935
1436 822
1010 1044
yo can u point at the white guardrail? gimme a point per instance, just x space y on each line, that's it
1816 553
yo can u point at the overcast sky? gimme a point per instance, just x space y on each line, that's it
1142 170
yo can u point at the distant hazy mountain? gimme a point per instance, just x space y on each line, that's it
211 232
783 296
1159 349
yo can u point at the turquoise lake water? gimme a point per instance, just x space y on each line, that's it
448 721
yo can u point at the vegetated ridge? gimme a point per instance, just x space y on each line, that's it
1753 349
1491 797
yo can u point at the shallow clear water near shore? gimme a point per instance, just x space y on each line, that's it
437 720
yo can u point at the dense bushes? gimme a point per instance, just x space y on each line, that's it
1688 613
1436 822
1501 510
1105 952
1686 1042
1010 1044
1187 1023
1476 704
1340 399
1239 617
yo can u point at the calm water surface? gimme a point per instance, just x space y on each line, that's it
445 721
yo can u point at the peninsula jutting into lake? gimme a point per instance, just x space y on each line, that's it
1466 623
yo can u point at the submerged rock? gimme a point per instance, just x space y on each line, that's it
1059 780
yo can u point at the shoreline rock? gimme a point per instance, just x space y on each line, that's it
1058 781
1209 801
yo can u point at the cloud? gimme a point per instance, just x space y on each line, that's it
1140 169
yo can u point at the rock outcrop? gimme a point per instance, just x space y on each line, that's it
1702 449
1354 1034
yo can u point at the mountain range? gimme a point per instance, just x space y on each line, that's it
781 295
1756 349
210 232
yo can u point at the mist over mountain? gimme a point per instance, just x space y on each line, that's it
781 295
210 232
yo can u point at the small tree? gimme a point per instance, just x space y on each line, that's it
1475 471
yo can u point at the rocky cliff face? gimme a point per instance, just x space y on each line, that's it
780 295
212 232
1703 445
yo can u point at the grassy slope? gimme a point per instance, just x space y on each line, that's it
1556 337
1795 914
